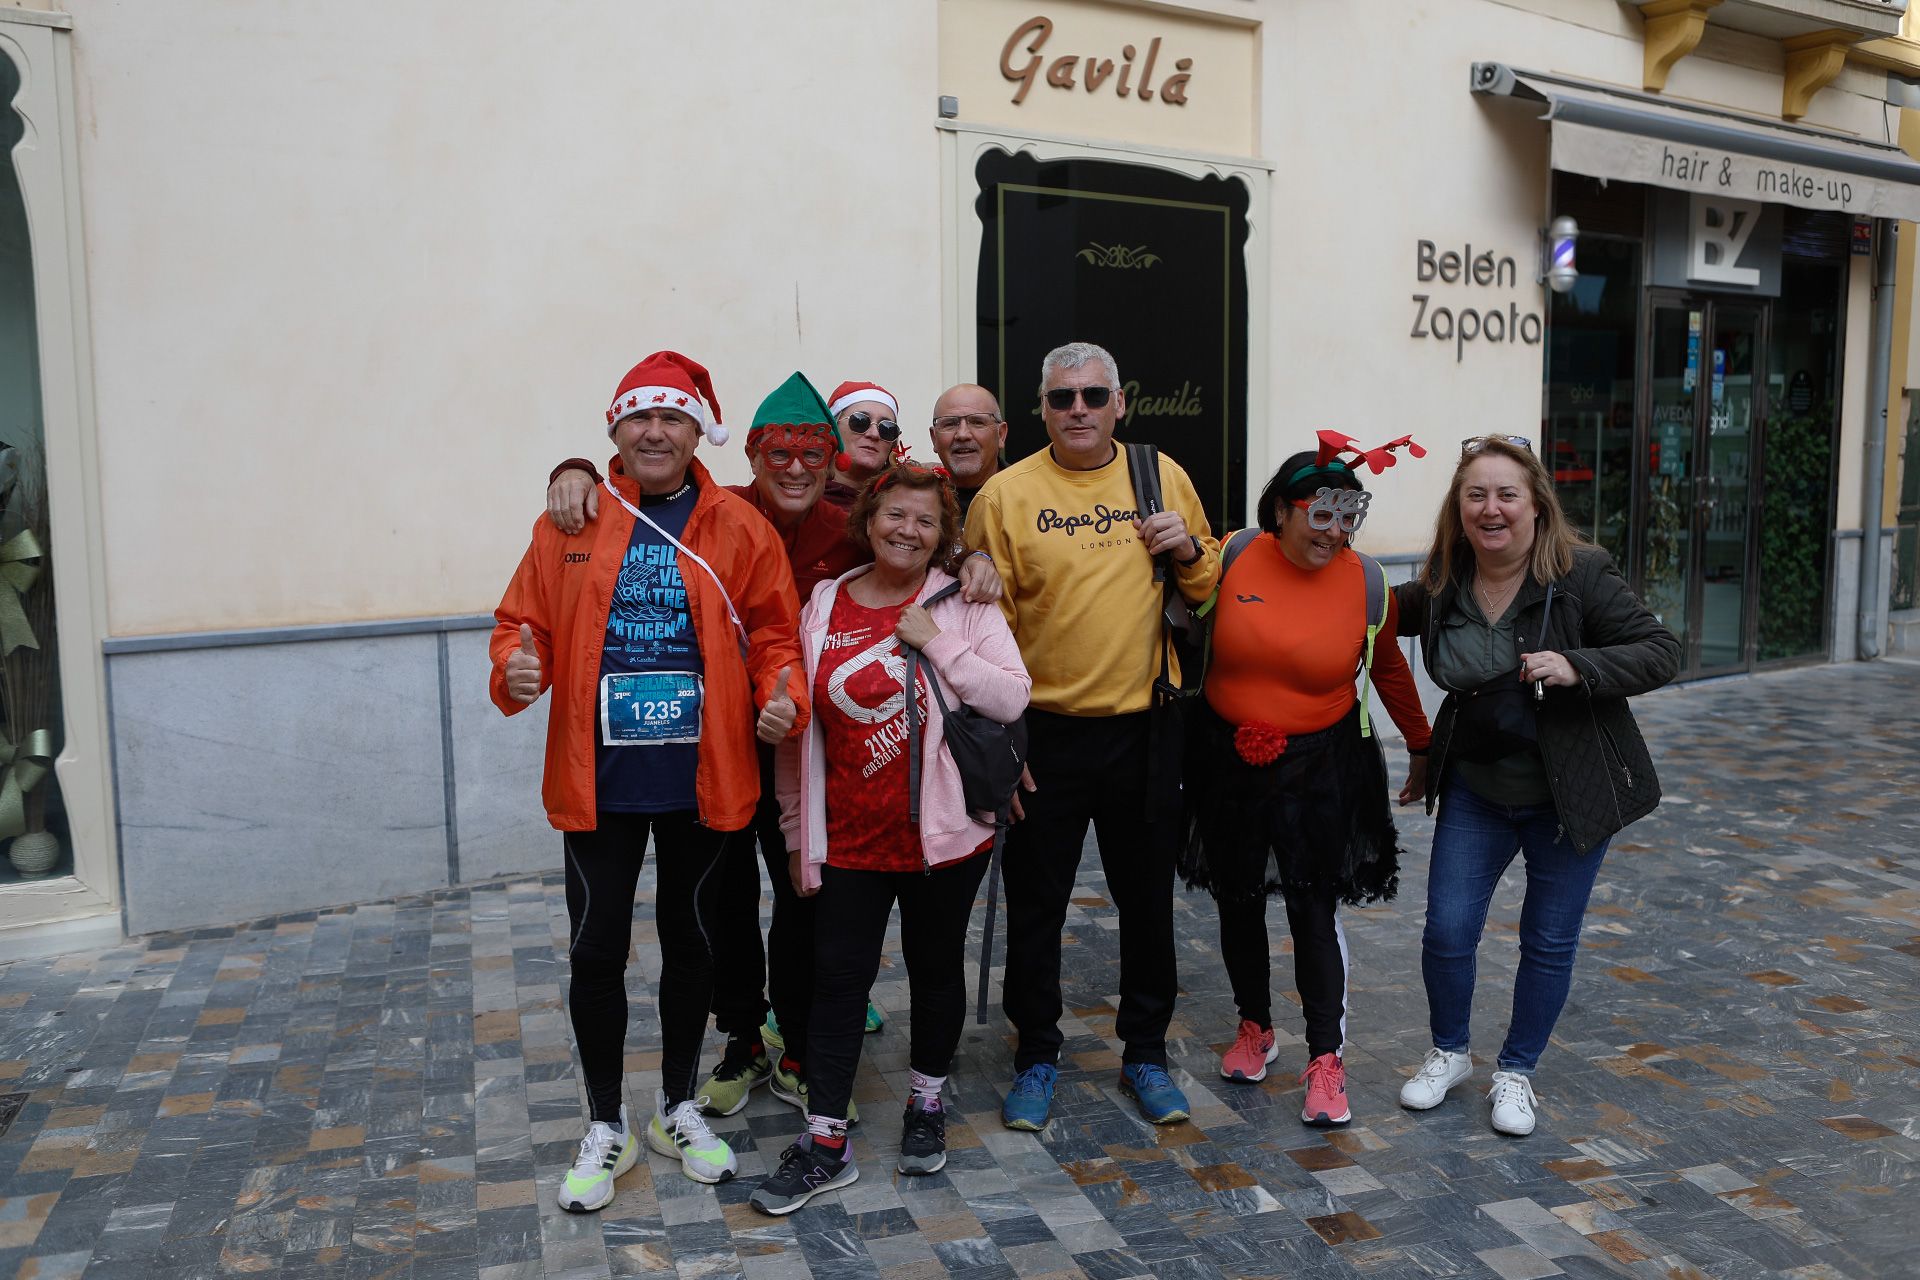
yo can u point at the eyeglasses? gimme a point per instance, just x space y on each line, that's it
811 459
1060 399
1474 444
978 421
859 422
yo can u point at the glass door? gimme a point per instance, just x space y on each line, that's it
1726 456
1704 418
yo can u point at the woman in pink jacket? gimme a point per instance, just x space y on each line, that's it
844 807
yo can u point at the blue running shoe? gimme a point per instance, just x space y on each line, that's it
1030 1098
1159 1097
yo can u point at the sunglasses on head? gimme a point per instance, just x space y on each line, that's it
811 459
1060 399
1474 444
859 422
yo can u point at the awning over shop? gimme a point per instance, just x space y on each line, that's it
1618 135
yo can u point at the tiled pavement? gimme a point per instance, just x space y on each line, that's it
388 1091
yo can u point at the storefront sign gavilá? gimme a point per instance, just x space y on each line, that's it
1091 72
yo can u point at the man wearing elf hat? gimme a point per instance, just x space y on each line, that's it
791 446
667 632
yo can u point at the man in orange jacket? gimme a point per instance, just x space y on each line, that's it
667 632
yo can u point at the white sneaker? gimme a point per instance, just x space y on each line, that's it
605 1154
684 1135
1513 1100
1441 1071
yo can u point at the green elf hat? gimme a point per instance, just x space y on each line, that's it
795 415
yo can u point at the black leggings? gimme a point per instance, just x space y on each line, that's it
1319 962
851 929
783 969
603 871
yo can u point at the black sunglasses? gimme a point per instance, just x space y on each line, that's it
1060 399
859 422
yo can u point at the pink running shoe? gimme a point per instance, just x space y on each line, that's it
1326 1081
1253 1049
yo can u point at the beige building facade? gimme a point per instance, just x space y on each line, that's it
299 303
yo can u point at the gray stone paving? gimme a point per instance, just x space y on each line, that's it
388 1090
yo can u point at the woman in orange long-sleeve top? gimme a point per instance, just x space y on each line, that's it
1285 777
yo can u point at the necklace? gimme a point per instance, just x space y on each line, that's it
1494 603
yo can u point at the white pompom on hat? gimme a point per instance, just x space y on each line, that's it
669 380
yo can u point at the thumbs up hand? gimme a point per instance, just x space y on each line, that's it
523 668
777 717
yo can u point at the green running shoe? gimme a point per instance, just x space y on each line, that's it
792 1090
744 1068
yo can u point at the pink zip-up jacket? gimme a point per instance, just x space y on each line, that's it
977 663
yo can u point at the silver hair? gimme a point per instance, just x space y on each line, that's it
1075 354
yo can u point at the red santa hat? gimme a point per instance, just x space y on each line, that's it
668 380
854 392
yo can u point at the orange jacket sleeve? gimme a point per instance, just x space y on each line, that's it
528 599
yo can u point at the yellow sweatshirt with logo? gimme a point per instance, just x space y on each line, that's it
1080 595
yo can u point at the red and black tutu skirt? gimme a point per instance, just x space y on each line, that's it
1315 815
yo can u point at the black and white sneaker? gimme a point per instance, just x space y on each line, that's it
923 1139
805 1171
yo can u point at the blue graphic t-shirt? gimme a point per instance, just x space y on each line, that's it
649 629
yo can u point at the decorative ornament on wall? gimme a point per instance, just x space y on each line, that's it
1117 255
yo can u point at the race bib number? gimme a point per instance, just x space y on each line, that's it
643 708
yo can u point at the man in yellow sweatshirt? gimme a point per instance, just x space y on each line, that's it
1076 561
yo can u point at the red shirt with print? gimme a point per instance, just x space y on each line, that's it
861 707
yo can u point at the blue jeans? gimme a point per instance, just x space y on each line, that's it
1473 844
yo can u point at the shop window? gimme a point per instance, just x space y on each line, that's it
32 817
1592 346
1797 463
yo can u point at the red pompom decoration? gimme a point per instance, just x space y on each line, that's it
1259 743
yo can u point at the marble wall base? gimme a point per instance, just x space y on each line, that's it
258 779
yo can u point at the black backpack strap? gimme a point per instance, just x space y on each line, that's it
1237 541
913 733
913 706
1143 465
